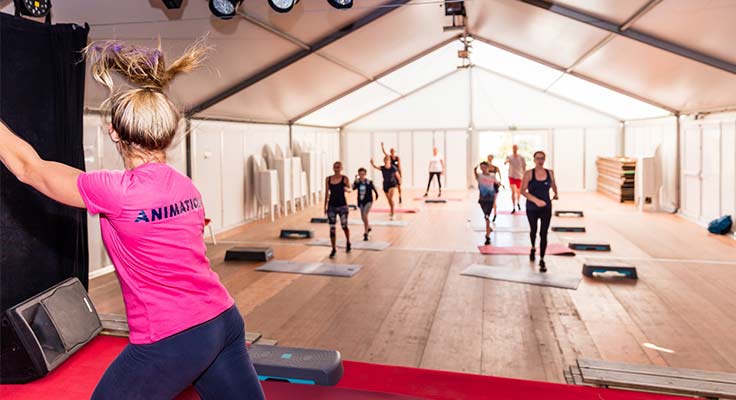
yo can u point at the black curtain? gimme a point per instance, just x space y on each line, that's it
42 72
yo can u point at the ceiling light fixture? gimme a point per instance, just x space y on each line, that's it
282 6
224 9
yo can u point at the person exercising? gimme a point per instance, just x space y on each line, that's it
517 166
436 168
396 162
184 326
391 180
496 172
535 186
365 189
336 204
486 194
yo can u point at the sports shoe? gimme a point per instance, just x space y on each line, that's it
532 254
332 254
365 237
348 247
542 266
488 240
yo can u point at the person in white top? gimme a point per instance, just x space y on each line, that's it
436 168
517 167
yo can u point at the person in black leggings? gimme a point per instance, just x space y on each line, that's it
535 187
336 204
396 162
391 180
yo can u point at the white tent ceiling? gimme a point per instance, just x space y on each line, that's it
259 39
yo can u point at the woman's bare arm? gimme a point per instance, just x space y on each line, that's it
55 180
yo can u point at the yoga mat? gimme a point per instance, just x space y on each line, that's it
357 245
522 275
344 270
553 249
438 198
503 229
508 212
396 210
380 222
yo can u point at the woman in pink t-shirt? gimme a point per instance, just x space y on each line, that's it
184 327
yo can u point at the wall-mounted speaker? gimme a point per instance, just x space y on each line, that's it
40 333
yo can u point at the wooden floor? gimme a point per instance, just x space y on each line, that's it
409 305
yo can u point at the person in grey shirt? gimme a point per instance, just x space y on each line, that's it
517 167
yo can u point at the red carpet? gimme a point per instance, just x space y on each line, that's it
77 377
553 249
396 210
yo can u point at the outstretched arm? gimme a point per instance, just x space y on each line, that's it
53 179
475 172
383 149
374 165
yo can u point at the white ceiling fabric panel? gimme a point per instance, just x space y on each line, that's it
500 102
707 26
424 69
617 11
603 99
511 65
351 106
532 30
677 82
445 104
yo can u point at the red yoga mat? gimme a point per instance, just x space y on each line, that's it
396 210
438 198
553 249
77 377
508 212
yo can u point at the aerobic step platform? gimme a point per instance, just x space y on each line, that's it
249 254
296 234
435 201
318 220
568 213
590 270
568 229
590 246
297 365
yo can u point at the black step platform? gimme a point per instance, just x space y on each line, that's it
297 365
590 270
249 254
318 220
590 246
568 229
568 213
296 234
435 201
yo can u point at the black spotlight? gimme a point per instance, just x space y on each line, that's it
172 4
341 3
224 9
454 7
282 6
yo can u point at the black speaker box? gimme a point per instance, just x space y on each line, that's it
43 331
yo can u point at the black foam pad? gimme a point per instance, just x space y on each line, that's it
249 254
591 269
568 229
296 234
590 246
297 365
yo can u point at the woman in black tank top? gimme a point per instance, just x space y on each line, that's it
535 187
396 162
336 205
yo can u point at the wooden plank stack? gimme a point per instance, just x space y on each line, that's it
616 177
650 378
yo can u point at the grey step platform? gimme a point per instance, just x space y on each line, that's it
590 246
318 220
591 270
435 201
296 234
297 365
249 254
568 213
579 229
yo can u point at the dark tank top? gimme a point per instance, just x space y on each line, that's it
389 175
539 189
395 162
337 193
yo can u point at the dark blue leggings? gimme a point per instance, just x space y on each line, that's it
212 356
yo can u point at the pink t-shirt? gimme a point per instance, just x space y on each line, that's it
152 220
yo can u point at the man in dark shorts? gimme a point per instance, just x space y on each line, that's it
486 194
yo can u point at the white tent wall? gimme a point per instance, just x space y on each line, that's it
642 138
221 167
100 153
708 178
415 150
